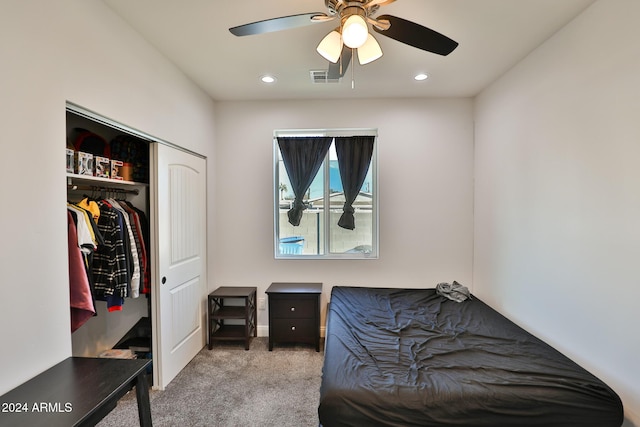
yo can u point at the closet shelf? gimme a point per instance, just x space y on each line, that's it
88 179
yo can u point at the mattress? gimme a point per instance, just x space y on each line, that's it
410 357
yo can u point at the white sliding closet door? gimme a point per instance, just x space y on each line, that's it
179 308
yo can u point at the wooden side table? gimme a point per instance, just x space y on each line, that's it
294 313
219 312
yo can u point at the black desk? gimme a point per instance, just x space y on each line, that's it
77 392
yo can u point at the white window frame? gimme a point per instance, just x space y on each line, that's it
374 254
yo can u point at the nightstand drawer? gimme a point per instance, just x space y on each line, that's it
293 330
292 307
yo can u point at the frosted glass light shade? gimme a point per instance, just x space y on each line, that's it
369 51
354 31
331 47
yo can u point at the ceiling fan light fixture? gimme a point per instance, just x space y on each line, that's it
331 47
369 51
354 31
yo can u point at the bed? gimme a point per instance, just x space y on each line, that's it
411 357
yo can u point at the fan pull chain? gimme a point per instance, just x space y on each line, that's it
353 69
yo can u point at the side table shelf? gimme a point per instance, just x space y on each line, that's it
219 313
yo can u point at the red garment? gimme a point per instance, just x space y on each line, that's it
81 301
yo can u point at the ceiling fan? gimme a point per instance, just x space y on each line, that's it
353 32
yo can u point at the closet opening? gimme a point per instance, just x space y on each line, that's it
108 201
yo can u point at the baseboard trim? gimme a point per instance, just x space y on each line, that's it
263 331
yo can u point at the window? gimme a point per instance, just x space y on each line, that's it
318 233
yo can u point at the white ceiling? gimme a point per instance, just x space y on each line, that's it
493 35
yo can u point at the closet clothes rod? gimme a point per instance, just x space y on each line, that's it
103 189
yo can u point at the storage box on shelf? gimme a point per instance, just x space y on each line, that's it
103 168
84 163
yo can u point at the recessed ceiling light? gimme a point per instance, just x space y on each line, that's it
267 79
420 77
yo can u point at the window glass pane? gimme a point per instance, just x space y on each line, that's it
308 237
359 240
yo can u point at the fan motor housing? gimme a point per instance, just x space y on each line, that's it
337 7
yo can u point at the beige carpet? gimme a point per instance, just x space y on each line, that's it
230 387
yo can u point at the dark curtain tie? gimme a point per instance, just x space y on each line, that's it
354 157
302 158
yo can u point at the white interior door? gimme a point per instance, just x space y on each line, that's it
179 309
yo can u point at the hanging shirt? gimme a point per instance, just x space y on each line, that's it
133 252
144 233
85 236
90 206
137 229
93 224
80 296
109 262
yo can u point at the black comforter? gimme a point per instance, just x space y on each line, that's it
409 357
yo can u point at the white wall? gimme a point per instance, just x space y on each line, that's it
556 204
425 174
51 52
557 201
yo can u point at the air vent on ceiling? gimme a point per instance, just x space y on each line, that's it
321 76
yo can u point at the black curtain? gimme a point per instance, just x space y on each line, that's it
354 157
302 157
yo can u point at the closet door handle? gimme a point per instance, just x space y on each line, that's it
164 280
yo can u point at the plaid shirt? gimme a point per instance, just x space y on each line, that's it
110 274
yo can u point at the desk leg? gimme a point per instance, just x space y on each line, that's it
142 396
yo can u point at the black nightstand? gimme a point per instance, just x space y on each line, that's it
294 313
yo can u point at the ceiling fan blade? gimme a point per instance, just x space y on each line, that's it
379 2
278 24
338 69
416 35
